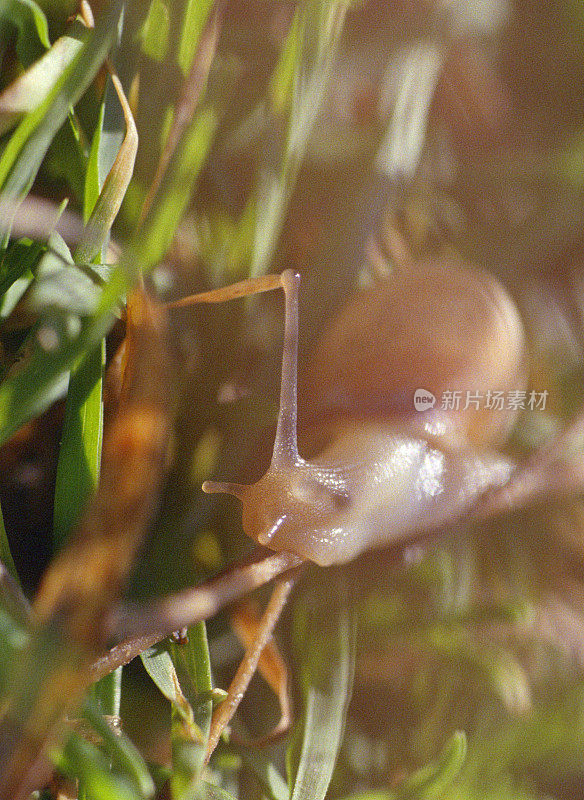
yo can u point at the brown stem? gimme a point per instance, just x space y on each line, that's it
225 711
141 626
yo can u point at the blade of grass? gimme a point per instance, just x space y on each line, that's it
184 112
77 476
155 31
79 757
553 730
126 758
26 393
30 89
433 780
32 388
93 183
299 84
5 554
183 675
108 693
271 781
29 143
184 155
114 187
151 242
13 634
327 667
400 151
195 18
160 225
21 257
32 30
193 666
102 202
80 453
209 791
158 664
61 287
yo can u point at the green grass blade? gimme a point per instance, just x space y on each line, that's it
14 639
155 31
62 287
114 187
158 664
112 154
183 675
195 18
19 260
126 758
107 693
156 234
193 667
208 791
299 83
30 24
80 453
39 381
5 554
66 158
30 89
270 779
93 183
434 779
553 730
327 676
79 757
29 143
26 393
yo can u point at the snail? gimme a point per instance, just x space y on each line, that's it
384 472
380 472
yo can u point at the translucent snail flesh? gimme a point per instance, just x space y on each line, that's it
385 472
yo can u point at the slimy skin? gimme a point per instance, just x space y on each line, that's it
331 510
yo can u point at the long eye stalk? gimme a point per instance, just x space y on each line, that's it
285 446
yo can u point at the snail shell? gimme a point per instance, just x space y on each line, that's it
440 326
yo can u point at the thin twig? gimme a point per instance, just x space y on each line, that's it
226 710
141 626
122 654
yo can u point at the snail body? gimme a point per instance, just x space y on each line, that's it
382 472
394 485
